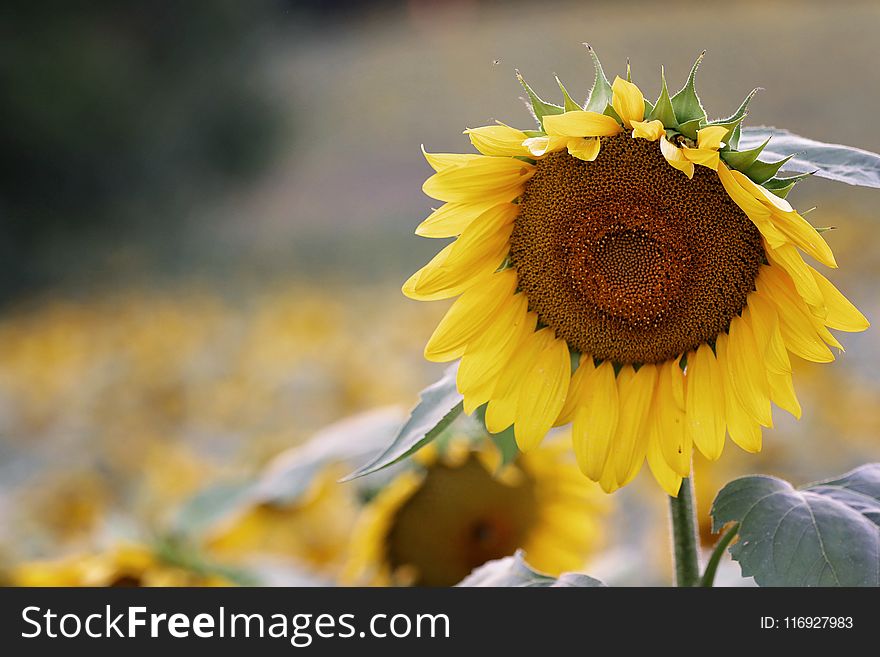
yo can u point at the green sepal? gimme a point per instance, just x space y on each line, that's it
540 108
663 110
648 107
761 172
782 186
505 441
534 133
629 77
686 103
568 103
610 111
600 93
732 122
689 128
742 160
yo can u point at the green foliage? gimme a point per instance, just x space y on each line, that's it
847 164
514 571
663 110
439 406
825 534
538 107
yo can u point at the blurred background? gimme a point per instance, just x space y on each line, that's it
207 211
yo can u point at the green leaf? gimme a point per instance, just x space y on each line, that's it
515 572
825 534
847 164
291 474
732 122
438 407
741 160
686 103
663 111
600 93
569 104
761 172
539 108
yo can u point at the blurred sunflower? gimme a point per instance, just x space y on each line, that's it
433 525
626 268
313 531
123 565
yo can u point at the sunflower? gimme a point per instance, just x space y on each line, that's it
124 565
433 525
627 269
313 531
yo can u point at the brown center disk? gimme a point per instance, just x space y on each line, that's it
627 259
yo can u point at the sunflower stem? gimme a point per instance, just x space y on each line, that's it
708 579
682 513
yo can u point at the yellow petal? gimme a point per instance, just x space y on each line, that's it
757 211
469 314
450 219
702 156
676 158
487 356
498 140
710 137
742 427
765 325
795 319
631 437
746 372
670 423
542 394
669 479
484 179
787 257
842 314
414 287
595 420
572 399
704 401
481 247
628 101
650 130
795 228
441 161
501 411
541 146
580 123
586 149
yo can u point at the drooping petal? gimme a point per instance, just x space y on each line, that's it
501 411
631 437
842 314
542 394
756 211
586 149
744 430
581 124
676 158
704 402
484 179
469 314
498 140
795 319
416 288
628 101
595 420
572 399
650 130
746 372
669 479
710 137
702 156
487 356
541 146
787 257
670 423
